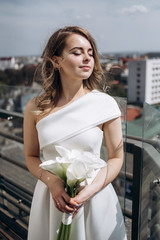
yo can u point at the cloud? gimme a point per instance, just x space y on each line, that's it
134 9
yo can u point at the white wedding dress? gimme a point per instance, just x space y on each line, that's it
75 127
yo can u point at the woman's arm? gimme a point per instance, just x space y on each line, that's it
114 143
32 157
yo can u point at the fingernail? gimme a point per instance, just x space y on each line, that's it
77 205
74 210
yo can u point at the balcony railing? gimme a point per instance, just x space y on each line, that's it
16 199
137 184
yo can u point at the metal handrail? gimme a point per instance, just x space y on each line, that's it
10 160
4 114
18 186
155 144
12 115
11 137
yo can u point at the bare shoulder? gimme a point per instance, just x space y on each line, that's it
31 109
31 105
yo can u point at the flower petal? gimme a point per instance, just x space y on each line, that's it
54 167
64 152
76 172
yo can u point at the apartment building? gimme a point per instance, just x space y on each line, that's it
144 81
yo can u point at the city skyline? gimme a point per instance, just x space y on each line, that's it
117 26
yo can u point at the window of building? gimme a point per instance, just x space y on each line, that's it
138 74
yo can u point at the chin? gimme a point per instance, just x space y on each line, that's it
86 76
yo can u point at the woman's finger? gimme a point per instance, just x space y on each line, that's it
76 211
65 207
57 205
83 195
69 200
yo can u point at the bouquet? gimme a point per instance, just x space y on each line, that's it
73 167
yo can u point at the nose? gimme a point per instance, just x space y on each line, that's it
86 57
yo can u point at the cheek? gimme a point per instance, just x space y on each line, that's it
93 64
73 62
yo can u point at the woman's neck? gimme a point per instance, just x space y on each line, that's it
74 91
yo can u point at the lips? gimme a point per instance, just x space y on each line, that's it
86 67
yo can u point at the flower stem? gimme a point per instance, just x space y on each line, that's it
60 232
68 229
63 232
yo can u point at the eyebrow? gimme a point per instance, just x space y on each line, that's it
80 48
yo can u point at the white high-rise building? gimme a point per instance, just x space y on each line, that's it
144 81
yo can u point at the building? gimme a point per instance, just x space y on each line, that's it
144 81
8 63
151 55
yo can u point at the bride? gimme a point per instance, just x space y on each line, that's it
74 113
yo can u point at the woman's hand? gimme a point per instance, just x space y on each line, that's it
84 194
63 202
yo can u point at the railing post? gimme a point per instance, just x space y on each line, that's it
137 183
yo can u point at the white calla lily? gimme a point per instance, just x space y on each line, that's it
68 154
63 152
76 173
85 167
93 161
57 166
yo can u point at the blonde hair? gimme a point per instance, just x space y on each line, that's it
51 77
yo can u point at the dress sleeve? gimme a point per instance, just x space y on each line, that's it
106 108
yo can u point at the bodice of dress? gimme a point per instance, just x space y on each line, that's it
75 126
90 140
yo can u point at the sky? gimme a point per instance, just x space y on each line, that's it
116 25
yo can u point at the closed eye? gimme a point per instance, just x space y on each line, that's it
91 54
76 53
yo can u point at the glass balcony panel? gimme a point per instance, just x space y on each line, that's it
119 183
120 180
16 184
150 190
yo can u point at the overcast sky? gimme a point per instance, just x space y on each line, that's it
116 25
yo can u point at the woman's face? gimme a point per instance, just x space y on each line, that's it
76 61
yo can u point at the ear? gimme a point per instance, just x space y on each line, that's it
56 62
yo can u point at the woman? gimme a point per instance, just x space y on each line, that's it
73 114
